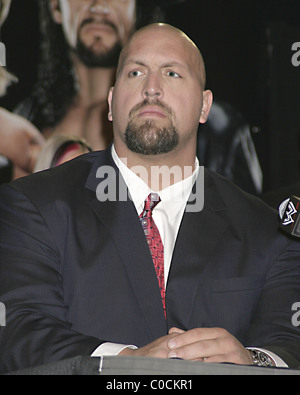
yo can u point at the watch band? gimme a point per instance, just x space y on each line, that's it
260 358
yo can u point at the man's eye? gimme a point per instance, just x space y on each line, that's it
135 73
173 74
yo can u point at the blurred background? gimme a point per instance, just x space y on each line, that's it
247 47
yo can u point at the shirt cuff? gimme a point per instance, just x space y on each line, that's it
279 363
111 349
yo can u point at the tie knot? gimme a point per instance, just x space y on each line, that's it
152 200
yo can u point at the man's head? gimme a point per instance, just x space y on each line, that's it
97 30
57 82
159 97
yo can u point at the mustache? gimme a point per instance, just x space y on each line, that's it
148 102
99 22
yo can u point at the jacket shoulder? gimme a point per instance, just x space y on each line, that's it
60 182
239 204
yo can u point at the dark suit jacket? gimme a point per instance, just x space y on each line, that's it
76 272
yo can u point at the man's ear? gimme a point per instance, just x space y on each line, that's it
207 102
55 11
110 98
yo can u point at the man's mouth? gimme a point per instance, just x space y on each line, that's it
98 26
147 108
152 111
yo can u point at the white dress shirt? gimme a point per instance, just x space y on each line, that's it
167 218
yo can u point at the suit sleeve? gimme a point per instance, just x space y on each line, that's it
37 330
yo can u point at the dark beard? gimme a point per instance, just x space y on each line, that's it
104 60
148 139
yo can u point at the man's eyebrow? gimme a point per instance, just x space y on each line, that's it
173 64
135 62
163 66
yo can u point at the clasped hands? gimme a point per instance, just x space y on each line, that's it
200 344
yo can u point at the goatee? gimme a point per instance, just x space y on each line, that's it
91 59
149 139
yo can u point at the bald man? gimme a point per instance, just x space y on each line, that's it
115 252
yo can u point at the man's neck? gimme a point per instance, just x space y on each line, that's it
94 84
159 171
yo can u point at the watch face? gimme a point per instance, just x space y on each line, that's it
264 359
261 359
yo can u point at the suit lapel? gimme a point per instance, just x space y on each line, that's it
197 239
121 220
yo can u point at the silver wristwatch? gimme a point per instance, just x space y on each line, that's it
260 358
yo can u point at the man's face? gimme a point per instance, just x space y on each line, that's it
158 100
96 30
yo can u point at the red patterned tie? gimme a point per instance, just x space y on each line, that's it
154 242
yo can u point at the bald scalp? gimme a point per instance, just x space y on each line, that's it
162 28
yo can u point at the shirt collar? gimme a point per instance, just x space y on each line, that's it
177 193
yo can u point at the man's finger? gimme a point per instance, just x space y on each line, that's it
175 330
195 335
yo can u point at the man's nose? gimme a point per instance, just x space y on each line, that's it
153 87
99 7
